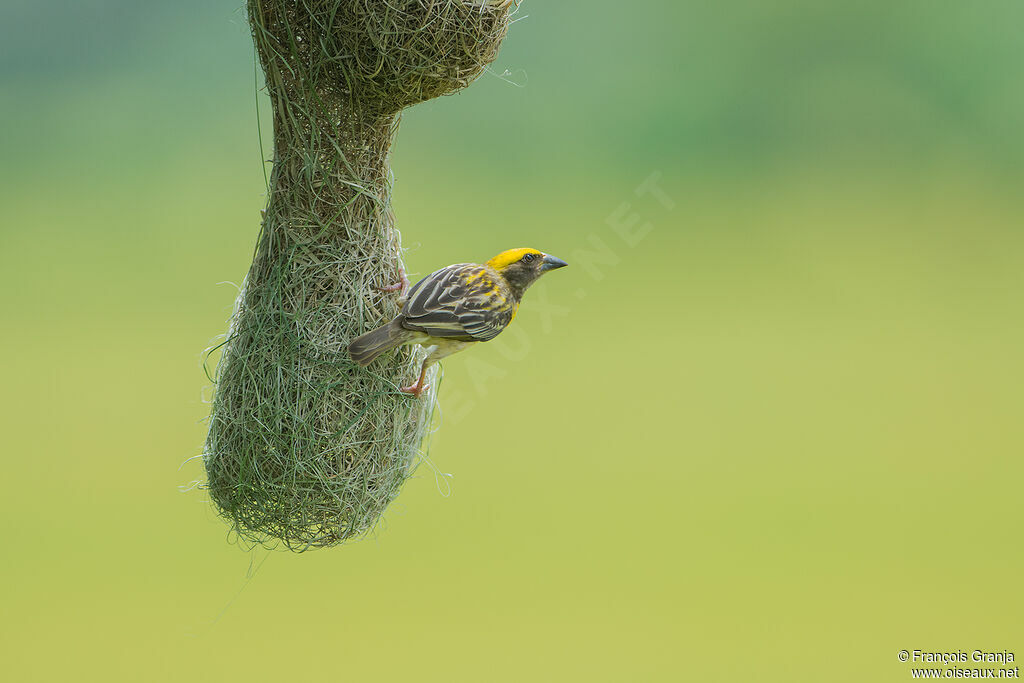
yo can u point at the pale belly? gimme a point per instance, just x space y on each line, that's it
438 347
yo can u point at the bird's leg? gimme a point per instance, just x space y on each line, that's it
401 286
419 387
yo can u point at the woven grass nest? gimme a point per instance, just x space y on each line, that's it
305 448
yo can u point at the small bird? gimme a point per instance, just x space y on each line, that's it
455 307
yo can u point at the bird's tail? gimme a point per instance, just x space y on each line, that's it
365 348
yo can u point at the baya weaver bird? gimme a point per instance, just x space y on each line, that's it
456 307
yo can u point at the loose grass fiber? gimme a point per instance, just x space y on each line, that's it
305 448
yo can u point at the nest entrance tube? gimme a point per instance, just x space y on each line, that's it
305 447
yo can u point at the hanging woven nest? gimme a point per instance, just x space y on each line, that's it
305 447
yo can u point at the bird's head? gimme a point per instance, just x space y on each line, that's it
521 267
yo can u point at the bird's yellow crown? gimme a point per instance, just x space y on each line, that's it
507 258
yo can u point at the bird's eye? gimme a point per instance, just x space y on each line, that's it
528 258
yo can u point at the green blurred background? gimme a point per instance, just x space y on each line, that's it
776 436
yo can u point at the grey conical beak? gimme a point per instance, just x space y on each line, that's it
551 262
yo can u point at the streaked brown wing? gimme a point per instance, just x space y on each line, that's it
459 302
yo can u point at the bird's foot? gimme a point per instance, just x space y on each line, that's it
415 390
401 286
